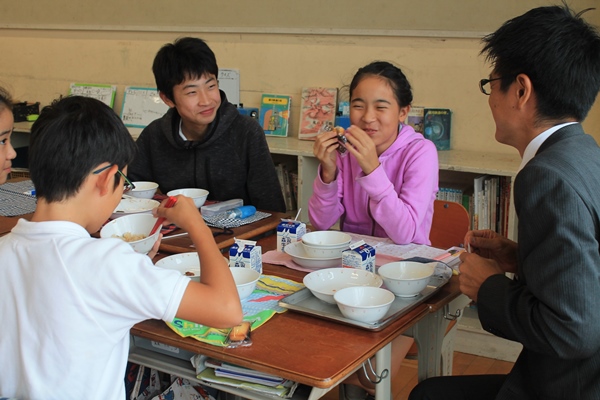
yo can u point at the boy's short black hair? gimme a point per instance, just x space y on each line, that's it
186 58
71 137
558 51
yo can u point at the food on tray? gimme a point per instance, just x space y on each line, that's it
192 272
240 332
341 139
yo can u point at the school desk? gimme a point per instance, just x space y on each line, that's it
315 352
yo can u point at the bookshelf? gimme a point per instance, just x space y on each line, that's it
298 156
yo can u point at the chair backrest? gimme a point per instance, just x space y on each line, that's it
450 224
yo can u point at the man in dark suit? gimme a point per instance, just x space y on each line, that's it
545 78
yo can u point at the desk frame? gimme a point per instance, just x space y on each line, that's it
427 325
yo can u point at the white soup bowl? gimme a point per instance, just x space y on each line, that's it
143 190
245 280
324 283
198 195
130 205
326 239
134 224
364 303
299 255
406 278
186 263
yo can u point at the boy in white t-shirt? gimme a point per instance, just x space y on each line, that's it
67 300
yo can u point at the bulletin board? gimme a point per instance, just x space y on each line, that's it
229 82
104 93
141 105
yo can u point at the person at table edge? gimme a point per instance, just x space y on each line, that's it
203 141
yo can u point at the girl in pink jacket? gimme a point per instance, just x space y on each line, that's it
387 183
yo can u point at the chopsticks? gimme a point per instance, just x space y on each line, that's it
170 203
174 236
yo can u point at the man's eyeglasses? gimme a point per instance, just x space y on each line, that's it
128 184
483 84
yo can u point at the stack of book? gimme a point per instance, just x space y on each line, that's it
248 379
458 193
289 185
487 200
491 202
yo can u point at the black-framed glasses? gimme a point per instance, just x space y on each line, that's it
128 184
484 82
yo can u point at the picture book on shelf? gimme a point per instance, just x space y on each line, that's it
275 114
436 127
317 109
415 118
104 93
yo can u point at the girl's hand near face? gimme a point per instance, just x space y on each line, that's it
362 147
324 148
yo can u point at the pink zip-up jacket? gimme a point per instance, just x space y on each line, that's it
395 200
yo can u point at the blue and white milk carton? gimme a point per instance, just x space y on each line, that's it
245 254
360 256
289 231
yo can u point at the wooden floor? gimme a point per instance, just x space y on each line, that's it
463 364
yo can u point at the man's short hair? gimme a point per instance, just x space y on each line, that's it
186 58
71 137
558 51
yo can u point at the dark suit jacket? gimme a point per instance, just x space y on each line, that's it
553 307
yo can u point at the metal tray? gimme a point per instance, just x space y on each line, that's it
303 301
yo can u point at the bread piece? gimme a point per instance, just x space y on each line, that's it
240 332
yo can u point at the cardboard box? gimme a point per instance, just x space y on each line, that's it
245 254
360 256
289 231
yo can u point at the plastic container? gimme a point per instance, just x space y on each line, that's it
220 207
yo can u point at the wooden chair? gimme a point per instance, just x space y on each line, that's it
450 224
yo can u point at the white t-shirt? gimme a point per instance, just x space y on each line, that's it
67 303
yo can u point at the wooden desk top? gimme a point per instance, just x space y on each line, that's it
299 347
267 225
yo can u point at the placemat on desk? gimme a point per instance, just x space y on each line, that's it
262 304
280 258
14 201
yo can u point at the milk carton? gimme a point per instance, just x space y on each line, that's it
360 256
245 254
289 231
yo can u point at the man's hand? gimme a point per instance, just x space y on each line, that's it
489 244
474 270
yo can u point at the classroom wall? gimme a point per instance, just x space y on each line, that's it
38 63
